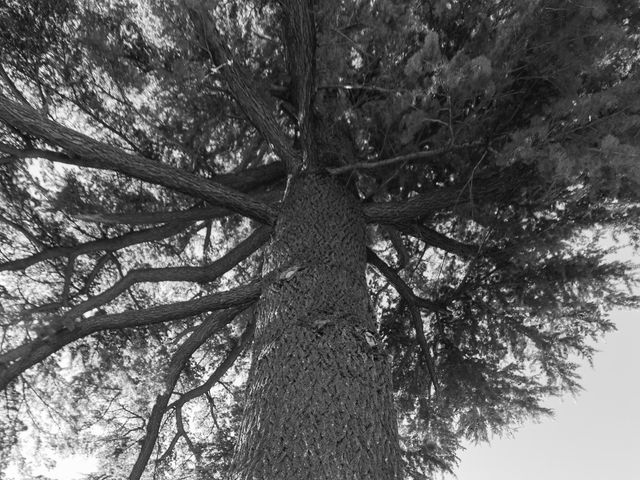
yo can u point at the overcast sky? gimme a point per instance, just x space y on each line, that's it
595 436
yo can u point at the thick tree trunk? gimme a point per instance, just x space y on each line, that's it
319 402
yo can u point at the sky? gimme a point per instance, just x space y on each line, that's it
594 436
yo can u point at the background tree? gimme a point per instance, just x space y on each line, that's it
491 145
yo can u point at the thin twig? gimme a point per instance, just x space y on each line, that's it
411 157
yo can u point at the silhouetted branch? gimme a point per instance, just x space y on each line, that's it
84 151
467 250
488 189
180 432
183 432
435 239
400 284
177 364
12 86
408 158
171 446
147 218
253 178
219 372
144 218
16 361
68 273
413 302
201 274
105 244
396 241
46 308
418 206
35 241
95 271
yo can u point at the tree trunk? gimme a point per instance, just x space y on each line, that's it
319 403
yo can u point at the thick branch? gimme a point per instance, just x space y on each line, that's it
418 206
400 285
474 191
253 178
106 244
243 181
12 86
413 302
202 274
16 361
396 240
97 268
150 218
178 362
255 106
84 151
144 218
466 250
300 40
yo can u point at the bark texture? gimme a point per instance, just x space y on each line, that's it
319 402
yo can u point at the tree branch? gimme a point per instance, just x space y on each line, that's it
408 158
255 106
300 39
97 268
16 361
219 372
106 244
253 178
28 235
177 364
418 206
480 190
467 250
413 303
150 218
171 446
12 86
396 240
87 152
243 181
400 285
202 274
144 218
436 239
183 432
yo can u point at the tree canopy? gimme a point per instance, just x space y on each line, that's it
144 150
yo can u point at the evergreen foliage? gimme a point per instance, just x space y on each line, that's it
517 121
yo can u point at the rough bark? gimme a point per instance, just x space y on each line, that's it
319 402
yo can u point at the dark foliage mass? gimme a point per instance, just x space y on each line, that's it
494 147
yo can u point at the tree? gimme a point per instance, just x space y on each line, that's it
192 192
